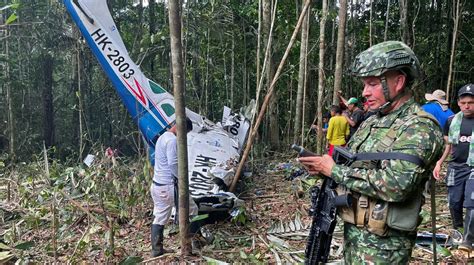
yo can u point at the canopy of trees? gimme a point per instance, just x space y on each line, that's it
53 90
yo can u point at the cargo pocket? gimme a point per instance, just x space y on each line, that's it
450 172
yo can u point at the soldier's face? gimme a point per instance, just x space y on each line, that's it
373 90
466 104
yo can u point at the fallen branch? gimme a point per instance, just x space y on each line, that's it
101 211
225 251
78 242
263 196
277 257
78 205
157 258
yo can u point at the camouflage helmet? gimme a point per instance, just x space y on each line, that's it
386 56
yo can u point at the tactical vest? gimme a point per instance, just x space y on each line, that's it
376 215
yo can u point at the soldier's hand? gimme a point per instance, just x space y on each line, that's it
318 164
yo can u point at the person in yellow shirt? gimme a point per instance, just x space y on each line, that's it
338 129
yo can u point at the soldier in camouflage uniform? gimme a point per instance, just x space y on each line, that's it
387 194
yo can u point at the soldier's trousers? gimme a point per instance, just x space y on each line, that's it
354 254
363 247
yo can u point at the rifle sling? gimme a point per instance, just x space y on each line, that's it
389 156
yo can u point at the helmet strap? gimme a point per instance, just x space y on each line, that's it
384 108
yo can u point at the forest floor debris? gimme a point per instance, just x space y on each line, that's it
271 228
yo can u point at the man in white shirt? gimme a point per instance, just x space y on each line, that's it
163 189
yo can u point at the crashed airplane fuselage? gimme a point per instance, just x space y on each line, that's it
213 149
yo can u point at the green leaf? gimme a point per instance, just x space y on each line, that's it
131 260
5 256
243 255
13 6
11 18
199 217
310 181
212 261
25 245
443 251
3 246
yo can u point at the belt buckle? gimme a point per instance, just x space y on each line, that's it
363 203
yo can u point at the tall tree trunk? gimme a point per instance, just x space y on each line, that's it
413 25
246 88
179 89
341 33
274 130
232 73
297 138
456 18
266 35
321 79
47 80
267 53
261 113
152 31
139 30
370 22
207 86
387 16
75 91
224 75
80 102
197 73
259 34
331 46
437 19
405 32
7 85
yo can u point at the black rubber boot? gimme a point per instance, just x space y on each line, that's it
194 227
456 215
197 240
157 240
468 237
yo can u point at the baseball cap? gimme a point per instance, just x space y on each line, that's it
352 101
466 90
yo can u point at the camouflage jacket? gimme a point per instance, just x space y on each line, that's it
393 180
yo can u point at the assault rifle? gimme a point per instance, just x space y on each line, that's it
324 203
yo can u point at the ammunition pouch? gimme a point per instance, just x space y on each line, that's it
348 214
378 216
365 212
